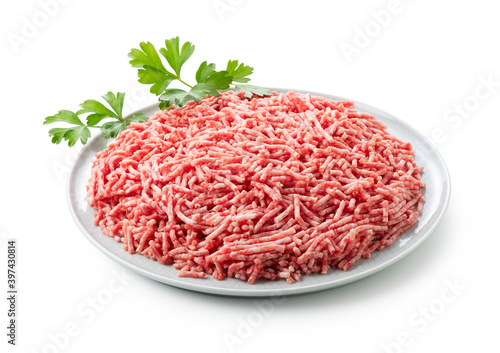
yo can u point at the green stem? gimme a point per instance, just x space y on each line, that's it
184 82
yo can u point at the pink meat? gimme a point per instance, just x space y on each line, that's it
272 187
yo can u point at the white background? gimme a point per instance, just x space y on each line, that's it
428 59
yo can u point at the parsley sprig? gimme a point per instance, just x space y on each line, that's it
97 112
152 71
209 81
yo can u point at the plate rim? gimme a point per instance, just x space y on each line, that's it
288 289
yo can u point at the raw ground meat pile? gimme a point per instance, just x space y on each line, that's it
274 187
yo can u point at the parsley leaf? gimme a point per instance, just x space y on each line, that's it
152 71
220 80
179 97
239 72
160 80
147 56
70 134
250 90
97 112
115 101
204 71
57 134
175 58
94 119
136 118
111 129
171 97
64 116
93 106
199 91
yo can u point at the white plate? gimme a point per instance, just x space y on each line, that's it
437 194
